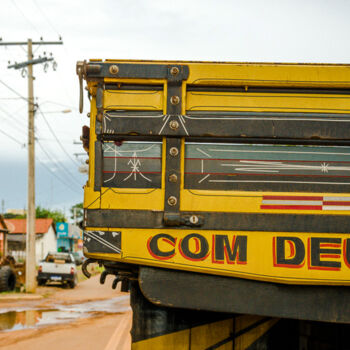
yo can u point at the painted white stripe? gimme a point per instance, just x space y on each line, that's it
335 207
285 182
268 118
286 202
283 152
336 199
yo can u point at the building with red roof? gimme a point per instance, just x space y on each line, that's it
45 240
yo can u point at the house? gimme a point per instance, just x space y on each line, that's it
3 233
45 240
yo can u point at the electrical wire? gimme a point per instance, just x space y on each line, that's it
46 18
64 168
12 138
25 17
55 175
11 118
56 138
15 92
42 163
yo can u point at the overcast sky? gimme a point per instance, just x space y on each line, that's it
250 30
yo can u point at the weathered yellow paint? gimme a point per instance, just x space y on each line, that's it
245 340
210 334
260 74
260 263
172 341
132 198
133 99
243 202
264 102
207 335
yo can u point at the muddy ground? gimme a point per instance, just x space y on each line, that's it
90 316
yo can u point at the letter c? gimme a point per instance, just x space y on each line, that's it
153 248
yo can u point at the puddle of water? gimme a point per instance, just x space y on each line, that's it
11 320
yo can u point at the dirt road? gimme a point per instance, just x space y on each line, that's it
90 328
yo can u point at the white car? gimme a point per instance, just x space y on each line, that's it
58 267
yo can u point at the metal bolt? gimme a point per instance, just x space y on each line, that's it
194 219
174 124
87 161
88 115
172 201
114 69
174 100
173 151
173 178
174 70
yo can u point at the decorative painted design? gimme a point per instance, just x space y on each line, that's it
305 203
102 241
132 165
267 167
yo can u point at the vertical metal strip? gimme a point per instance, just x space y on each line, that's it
173 148
172 181
98 166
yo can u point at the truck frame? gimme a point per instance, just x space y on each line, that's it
219 194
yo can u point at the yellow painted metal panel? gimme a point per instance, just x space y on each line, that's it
257 256
260 74
248 338
246 202
203 337
173 341
133 99
264 102
132 198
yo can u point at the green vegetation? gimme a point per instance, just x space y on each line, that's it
42 213
78 208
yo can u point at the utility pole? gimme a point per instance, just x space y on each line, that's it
31 216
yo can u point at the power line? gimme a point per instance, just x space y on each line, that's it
46 18
58 178
57 163
14 91
25 17
56 138
12 119
12 138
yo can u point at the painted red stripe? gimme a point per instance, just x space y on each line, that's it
330 245
133 157
336 203
271 160
330 256
292 207
294 198
128 172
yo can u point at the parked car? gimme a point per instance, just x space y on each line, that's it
58 267
79 257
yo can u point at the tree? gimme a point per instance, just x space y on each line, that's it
79 212
56 215
41 213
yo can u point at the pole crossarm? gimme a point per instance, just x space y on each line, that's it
9 43
30 62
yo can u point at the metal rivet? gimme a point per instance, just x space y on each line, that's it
174 70
174 100
194 219
172 201
114 69
173 178
173 151
174 124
